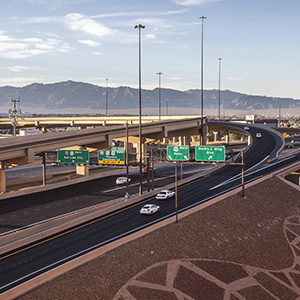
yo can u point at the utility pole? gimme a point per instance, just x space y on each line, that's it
15 114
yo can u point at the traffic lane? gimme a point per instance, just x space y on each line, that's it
43 206
23 265
262 148
93 187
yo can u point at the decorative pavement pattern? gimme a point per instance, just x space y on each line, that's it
207 279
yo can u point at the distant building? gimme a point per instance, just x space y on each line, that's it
266 122
253 119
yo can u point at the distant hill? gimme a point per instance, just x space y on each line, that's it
62 96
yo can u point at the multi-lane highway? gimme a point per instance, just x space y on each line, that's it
23 264
20 212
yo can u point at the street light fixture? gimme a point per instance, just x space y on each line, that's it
159 95
139 26
219 107
202 137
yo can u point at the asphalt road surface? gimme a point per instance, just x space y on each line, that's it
22 211
22 264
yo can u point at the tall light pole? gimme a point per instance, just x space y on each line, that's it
106 96
202 137
219 107
159 95
279 115
139 26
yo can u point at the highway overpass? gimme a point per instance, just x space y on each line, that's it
20 150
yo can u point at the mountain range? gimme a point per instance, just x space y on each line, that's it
62 96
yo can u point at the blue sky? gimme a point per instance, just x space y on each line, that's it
91 40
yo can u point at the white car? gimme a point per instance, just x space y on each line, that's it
165 194
122 180
258 135
149 209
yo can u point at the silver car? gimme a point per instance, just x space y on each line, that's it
122 180
165 194
149 209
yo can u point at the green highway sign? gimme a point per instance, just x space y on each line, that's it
210 153
73 156
178 153
115 156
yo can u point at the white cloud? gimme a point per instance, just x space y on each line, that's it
19 80
97 53
5 38
139 13
150 36
235 78
193 2
79 22
19 68
26 47
89 43
174 78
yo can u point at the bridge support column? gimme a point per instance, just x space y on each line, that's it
195 138
215 133
165 141
204 138
227 140
180 140
249 140
142 154
174 140
187 140
82 170
2 181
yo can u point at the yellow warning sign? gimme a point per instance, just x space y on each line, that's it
111 162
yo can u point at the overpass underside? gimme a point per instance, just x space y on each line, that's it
21 150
